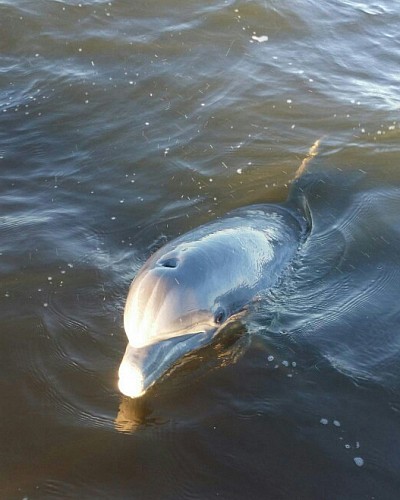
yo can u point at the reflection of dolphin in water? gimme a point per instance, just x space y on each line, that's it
193 286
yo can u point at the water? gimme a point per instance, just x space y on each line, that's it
124 124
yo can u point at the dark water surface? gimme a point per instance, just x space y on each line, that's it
126 123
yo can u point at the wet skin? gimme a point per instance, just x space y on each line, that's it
192 287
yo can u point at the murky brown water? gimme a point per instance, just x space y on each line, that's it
124 124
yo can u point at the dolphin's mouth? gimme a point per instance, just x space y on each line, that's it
142 366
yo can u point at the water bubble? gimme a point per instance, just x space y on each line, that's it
358 461
324 421
260 39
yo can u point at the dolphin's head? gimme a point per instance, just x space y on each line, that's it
172 309
171 297
191 288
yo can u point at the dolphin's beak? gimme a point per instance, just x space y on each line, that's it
142 366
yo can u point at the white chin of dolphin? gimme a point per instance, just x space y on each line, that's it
131 381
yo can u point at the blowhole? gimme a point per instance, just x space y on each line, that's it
171 262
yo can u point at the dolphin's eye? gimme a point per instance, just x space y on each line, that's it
219 316
171 262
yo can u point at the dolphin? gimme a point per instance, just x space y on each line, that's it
196 284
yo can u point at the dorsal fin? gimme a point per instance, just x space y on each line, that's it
312 152
296 195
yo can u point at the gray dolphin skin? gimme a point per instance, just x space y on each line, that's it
193 286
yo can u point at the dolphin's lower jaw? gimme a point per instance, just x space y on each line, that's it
141 367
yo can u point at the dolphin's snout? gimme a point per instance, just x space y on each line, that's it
142 366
